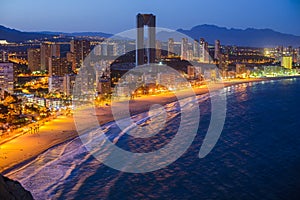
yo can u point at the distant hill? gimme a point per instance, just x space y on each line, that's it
249 37
12 35
79 34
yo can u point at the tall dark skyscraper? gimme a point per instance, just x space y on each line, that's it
142 52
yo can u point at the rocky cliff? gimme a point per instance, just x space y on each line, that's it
13 190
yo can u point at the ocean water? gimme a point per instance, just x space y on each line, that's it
256 157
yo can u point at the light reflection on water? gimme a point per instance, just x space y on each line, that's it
257 156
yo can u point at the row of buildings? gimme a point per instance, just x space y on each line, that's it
62 65
48 57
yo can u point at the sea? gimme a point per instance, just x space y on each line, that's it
256 157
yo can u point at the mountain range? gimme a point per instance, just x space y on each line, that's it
249 37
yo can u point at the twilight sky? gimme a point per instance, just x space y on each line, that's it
113 16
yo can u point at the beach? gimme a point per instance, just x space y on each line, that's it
62 129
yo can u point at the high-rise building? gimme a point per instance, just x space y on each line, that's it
196 49
148 52
6 77
104 85
190 54
3 56
80 49
56 84
48 50
68 84
298 55
207 56
59 66
289 51
110 49
104 49
184 49
171 47
55 50
202 50
71 58
217 55
287 62
295 55
45 55
158 50
97 50
34 59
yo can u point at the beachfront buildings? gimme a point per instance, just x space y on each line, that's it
287 62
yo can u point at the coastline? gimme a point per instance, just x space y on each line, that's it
23 149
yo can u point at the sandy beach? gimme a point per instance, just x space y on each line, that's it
63 128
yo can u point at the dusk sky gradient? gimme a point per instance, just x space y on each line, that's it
113 16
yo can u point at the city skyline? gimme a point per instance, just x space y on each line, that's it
118 16
96 116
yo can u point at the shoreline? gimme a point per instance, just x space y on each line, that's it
63 129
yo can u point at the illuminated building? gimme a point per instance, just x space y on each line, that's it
295 55
59 66
298 56
184 49
3 56
48 50
104 85
201 50
170 47
34 59
6 78
97 50
240 69
103 78
217 50
150 21
122 90
204 54
196 49
158 50
3 42
119 48
287 62
56 84
191 72
80 49
70 58
68 84
167 79
104 49
45 55
190 54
